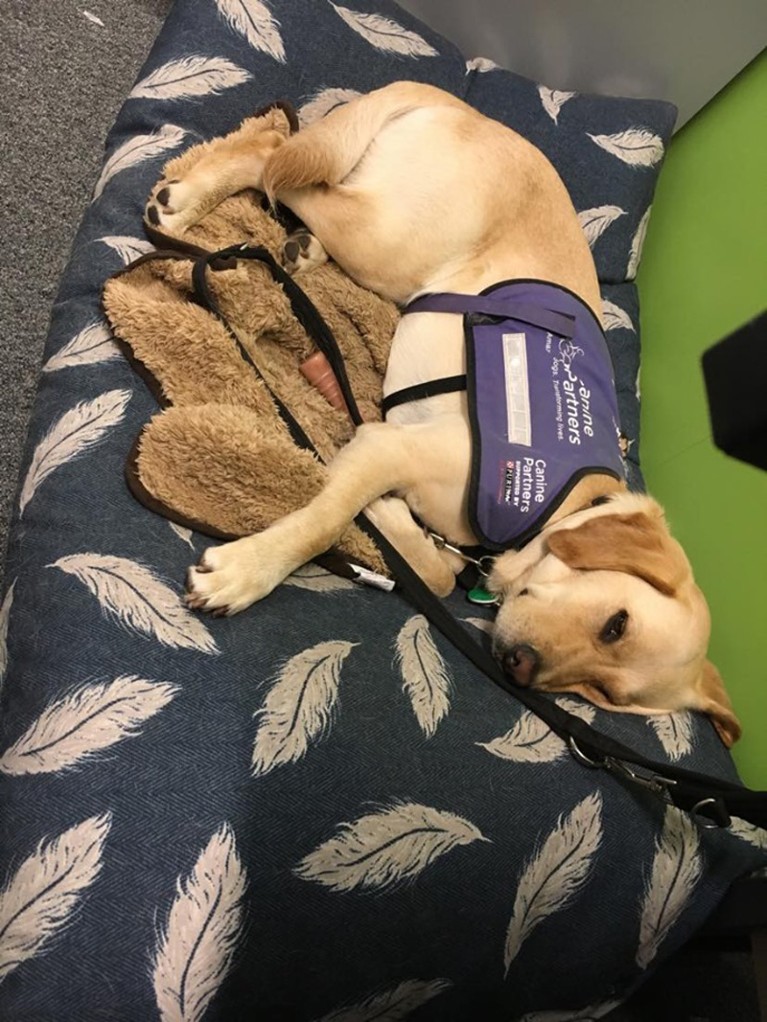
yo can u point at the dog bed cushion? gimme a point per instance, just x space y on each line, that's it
317 809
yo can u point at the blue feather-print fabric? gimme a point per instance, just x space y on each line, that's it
316 810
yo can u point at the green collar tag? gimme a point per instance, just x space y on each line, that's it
480 595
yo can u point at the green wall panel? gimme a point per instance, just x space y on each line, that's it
703 274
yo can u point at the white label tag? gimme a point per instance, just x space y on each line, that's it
372 578
517 389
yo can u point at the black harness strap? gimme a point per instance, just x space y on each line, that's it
709 798
558 323
303 309
431 388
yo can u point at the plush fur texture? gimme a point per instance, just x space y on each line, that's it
220 432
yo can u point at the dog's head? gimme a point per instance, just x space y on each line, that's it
607 607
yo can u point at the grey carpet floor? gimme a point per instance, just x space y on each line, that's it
63 78
62 81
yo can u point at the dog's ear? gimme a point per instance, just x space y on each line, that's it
507 568
637 543
713 700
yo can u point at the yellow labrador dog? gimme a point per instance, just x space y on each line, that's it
602 602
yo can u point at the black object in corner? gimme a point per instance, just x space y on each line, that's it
735 370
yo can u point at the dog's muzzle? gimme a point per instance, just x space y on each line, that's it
521 663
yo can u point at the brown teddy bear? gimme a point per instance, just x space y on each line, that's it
220 457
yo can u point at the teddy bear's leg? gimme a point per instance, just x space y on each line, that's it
226 166
418 460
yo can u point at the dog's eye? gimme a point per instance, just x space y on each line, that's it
615 627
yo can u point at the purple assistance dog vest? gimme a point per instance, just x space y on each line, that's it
542 403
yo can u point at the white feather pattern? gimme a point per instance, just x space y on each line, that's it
676 869
578 707
45 890
138 599
323 102
74 433
481 64
138 150
91 345
127 247
82 723
531 740
754 835
196 948
482 623
552 878
638 147
615 318
316 579
590 1014
5 615
384 848
190 76
385 34
637 244
553 100
391 1005
183 533
254 20
425 676
298 707
594 222
674 731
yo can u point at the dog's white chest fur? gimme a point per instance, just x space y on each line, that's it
427 346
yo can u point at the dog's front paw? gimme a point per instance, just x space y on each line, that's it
230 578
302 252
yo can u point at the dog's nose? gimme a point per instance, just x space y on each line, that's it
521 662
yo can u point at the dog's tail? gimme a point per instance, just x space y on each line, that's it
327 151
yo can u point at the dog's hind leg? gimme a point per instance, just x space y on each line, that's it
204 176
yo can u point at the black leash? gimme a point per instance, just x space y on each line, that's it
713 800
303 309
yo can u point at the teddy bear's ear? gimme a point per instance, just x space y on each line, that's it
220 469
224 472
282 115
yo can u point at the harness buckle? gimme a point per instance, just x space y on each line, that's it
581 757
439 541
484 564
715 818
655 783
